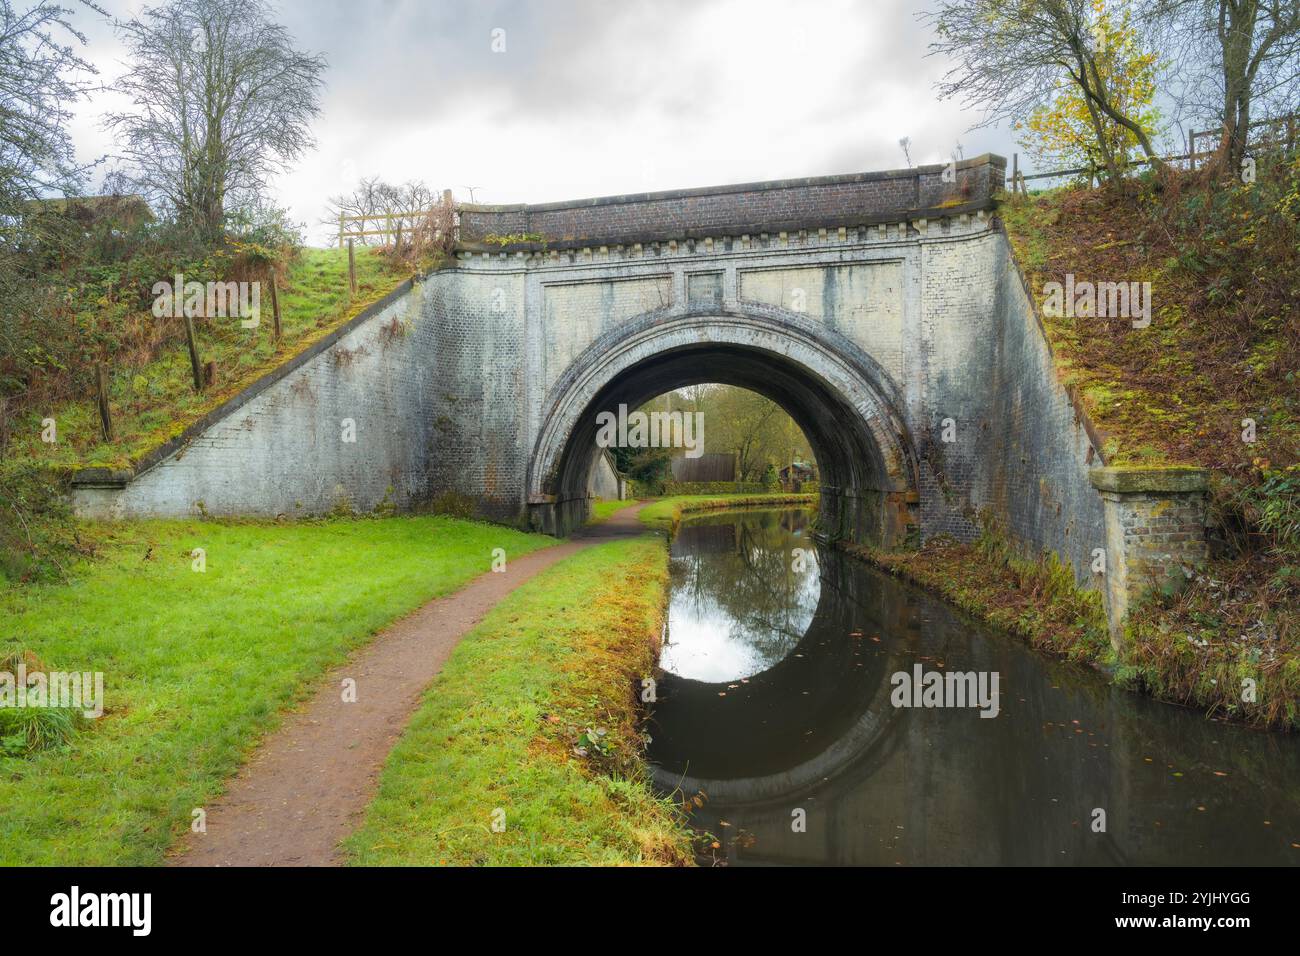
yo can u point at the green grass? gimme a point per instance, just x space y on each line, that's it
156 400
197 666
560 656
664 513
1223 335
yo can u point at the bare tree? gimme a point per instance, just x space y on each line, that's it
906 145
1012 53
1235 57
41 74
222 101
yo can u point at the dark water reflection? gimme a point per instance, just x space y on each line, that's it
776 698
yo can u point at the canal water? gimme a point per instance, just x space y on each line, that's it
777 711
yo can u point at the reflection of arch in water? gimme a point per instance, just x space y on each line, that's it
807 719
743 567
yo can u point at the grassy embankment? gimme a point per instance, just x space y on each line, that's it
154 400
1223 346
1035 600
664 513
152 393
533 724
197 666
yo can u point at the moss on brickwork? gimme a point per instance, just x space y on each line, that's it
1131 480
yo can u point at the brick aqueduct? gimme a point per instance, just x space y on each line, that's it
883 310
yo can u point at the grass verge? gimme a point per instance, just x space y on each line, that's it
665 513
1039 602
1035 600
1221 644
197 666
535 718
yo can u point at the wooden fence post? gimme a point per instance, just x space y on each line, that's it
196 367
449 218
105 413
352 267
275 309
340 230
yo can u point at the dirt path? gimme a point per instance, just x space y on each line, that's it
306 786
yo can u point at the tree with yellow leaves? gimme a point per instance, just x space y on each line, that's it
1014 57
1069 129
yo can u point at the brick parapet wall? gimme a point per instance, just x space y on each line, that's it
782 205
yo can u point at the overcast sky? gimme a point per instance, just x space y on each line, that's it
595 98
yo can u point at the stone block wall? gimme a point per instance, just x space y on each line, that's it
996 431
1040 448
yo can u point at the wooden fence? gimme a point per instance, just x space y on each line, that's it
1280 135
392 225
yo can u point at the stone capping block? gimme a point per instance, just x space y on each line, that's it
1149 480
103 477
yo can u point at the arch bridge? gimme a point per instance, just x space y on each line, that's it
820 293
883 310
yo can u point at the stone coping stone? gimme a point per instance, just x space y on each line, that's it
97 477
1139 479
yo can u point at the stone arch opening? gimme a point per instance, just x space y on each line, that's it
846 405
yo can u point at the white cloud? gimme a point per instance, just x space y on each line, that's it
593 99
